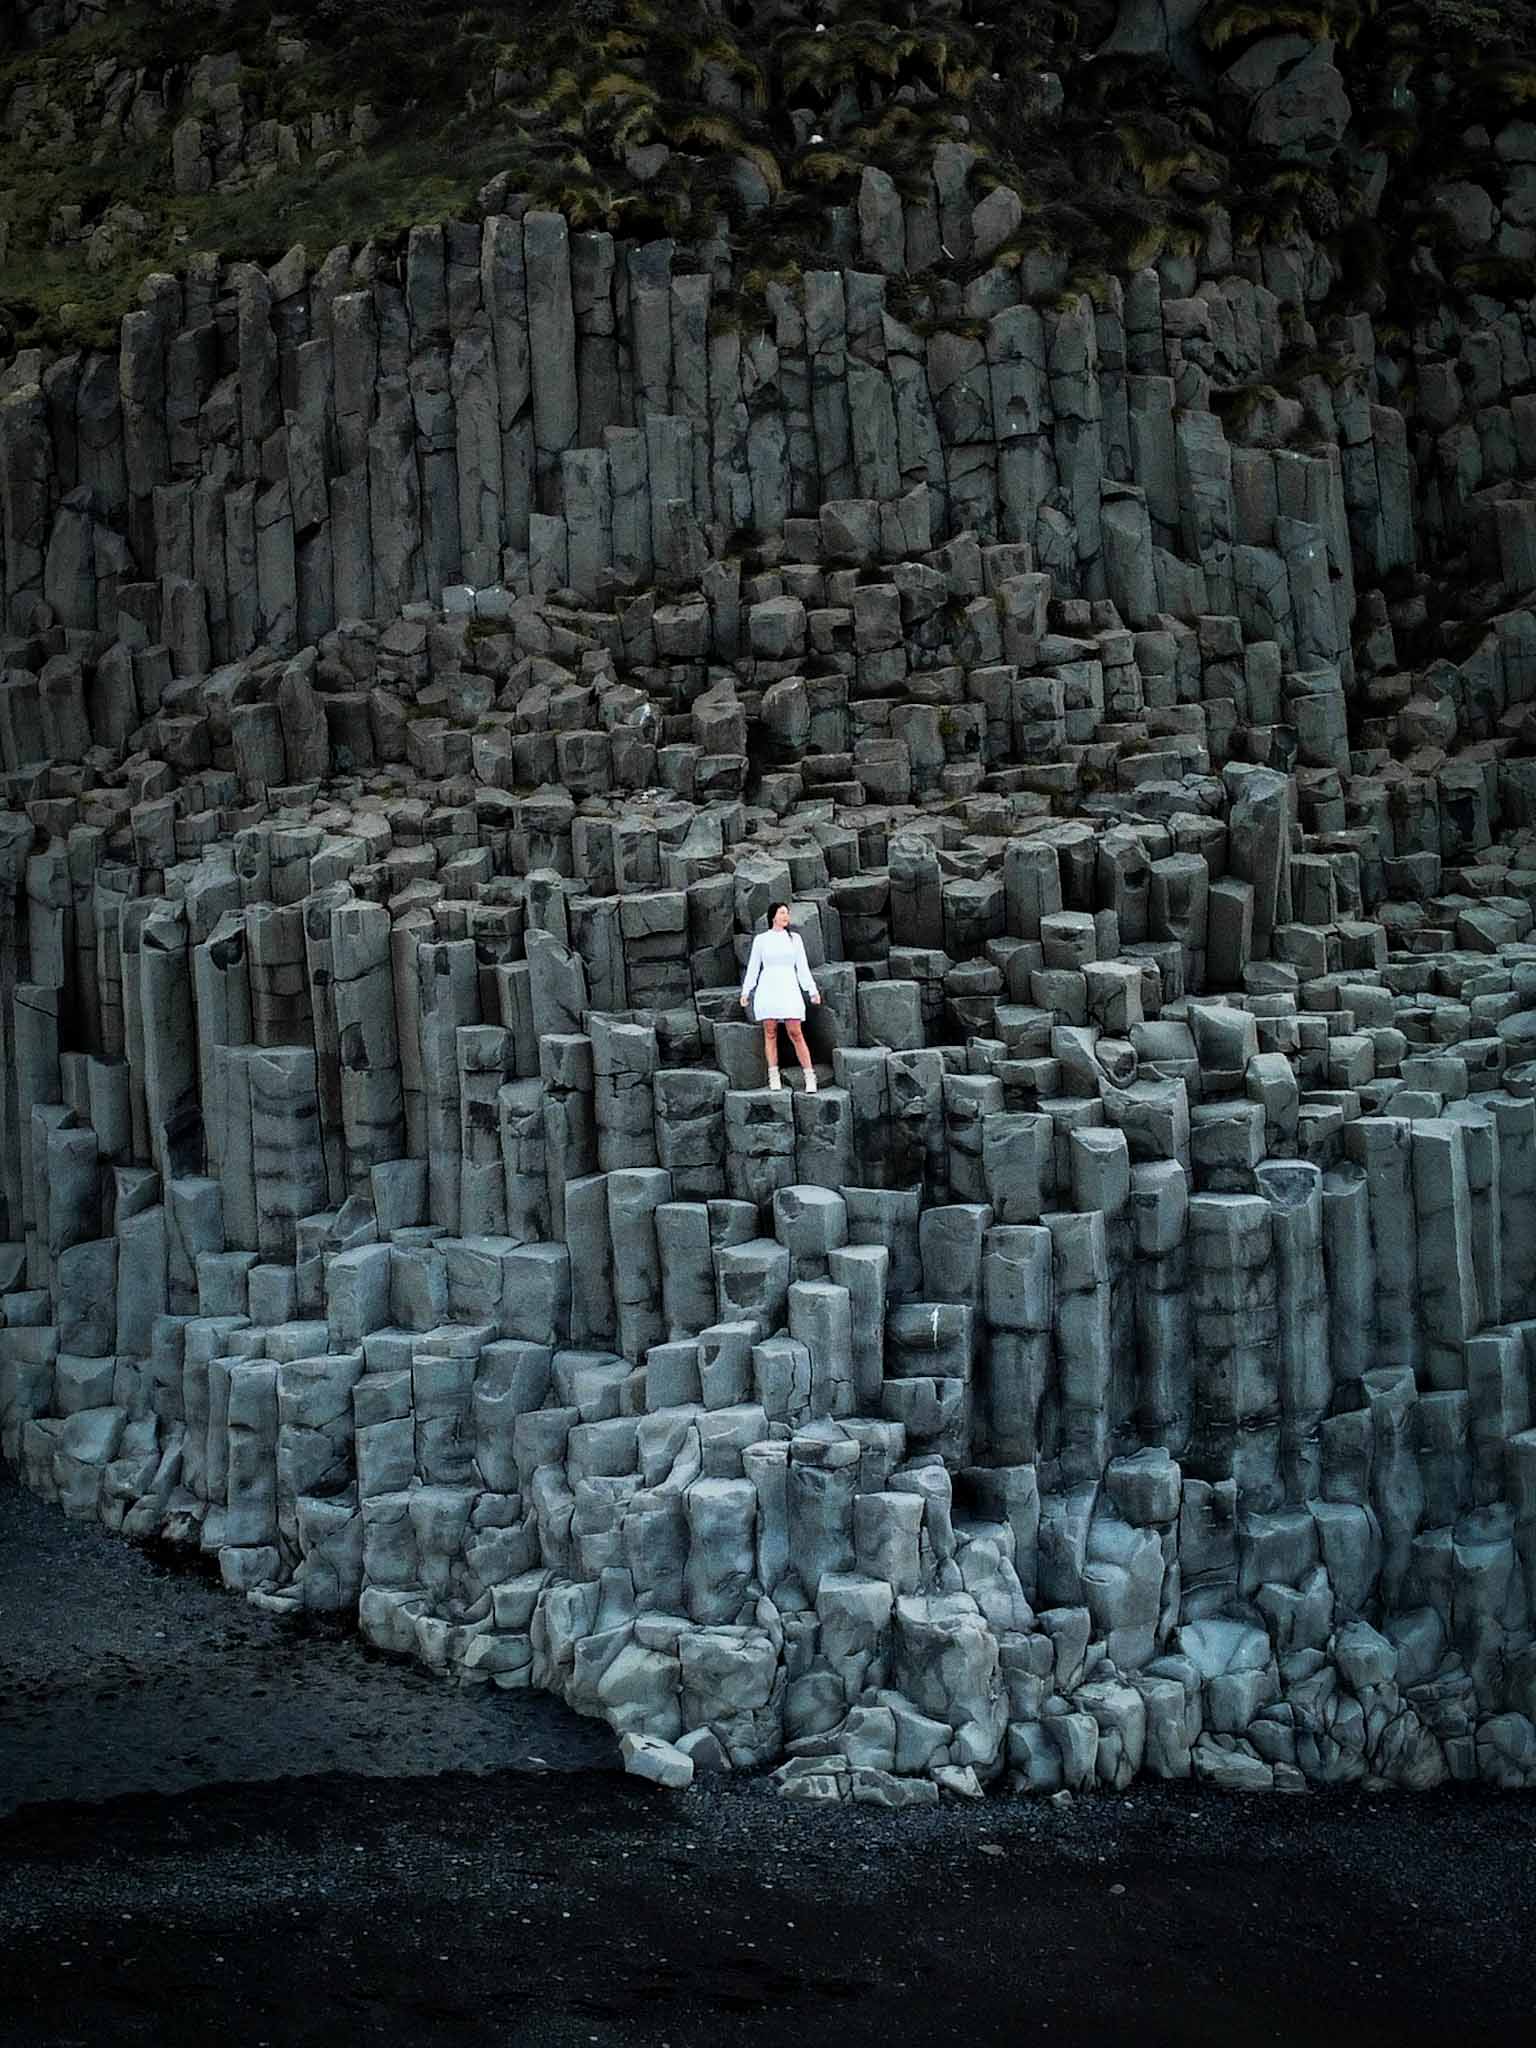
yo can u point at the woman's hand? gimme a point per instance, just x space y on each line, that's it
743 1002
817 1001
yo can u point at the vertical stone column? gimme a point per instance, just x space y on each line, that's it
130 930
969 1100
759 1143
1207 518
1396 1483
1350 1272
320 972
1017 1353
570 1122
821 1318
802 474
1031 885
236 1168
221 990
557 984
822 1481
824 1152
864 1270
1295 1196
634 1196
449 989
669 470
1258 845
405 941
1499 1399
597 347
169 1042
552 345
146 446
1078 1432
1101 1181
525 1170
1072 360
917 902
394 496
504 294
690 295
1026 459
243 622
314 1434
690 1130
355 352
623 1067
1480 1135
286 1147
1515 1120
50 915
472 389
1160 1220
483 1053
648 307
1442 1229
1382 1148
311 456
686 1256
26 461
114 886
429 378
1235 1326
280 1008
250 1466
372 1108
84 852
15 840
585 1229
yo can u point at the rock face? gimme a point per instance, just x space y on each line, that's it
1294 95
1159 29
1123 1362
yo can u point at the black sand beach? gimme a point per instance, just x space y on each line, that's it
214 1823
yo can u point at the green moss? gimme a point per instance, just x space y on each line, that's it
1233 22
49 296
1499 277
582 85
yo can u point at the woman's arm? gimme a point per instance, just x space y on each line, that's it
754 968
803 969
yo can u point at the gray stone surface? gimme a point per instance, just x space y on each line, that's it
1121 1363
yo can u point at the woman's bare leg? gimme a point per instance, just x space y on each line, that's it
796 1032
771 1049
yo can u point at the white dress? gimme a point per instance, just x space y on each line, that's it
778 971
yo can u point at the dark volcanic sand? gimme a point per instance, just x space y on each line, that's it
219 1826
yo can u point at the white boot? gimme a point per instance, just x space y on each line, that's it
773 1078
810 1079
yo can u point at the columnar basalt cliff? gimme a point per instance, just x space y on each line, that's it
424 666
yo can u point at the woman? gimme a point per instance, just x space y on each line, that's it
779 971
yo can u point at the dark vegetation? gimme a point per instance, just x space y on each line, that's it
736 120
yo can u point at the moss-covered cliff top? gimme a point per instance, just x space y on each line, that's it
131 135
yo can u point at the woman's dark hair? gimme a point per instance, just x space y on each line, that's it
773 911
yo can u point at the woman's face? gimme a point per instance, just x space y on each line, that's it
781 918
